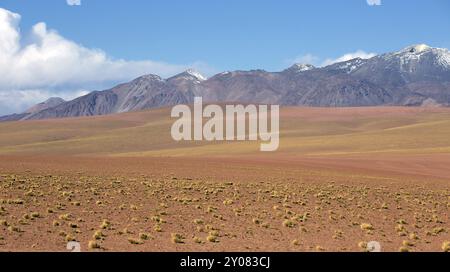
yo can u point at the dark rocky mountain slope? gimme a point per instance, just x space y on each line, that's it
415 76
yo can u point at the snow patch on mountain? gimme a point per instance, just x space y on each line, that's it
411 56
443 57
347 66
300 67
196 74
352 65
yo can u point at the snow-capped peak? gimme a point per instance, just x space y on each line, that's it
196 74
300 67
347 66
418 48
303 67
418 53
413 51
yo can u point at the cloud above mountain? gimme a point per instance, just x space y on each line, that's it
320 62
374 2
74 2
358 54
305 59
15 101
51 64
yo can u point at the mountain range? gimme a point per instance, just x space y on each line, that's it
418 75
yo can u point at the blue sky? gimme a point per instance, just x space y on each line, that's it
219 35
236 34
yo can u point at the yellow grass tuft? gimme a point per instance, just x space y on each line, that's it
446 246
366 226
93 245
177 238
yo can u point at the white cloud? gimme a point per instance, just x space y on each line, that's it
319 62
374 2
305 59
53 65
16 101
358 54
74 2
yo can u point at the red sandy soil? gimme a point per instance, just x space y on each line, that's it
327 201
63 180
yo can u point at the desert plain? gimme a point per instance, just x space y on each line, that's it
341 178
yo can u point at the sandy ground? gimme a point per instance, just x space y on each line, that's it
342 178
221 204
